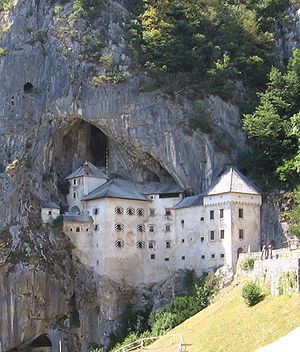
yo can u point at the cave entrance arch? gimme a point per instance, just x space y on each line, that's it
41 344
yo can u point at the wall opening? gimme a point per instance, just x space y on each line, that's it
28 88
41 344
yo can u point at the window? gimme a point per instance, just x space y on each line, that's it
202 239
96 227
86 229
221 213
119 227
168 228
222 234
140 228
241 234
167 259
151 244
70 229
49 212
130 211
202 256
168 244
241 213
211 214
182 223
151 197
74 195
97 262
95 211
152 212
168 212
119 243
152 256
77 229
140 212
151 228
213 256
202 218
182 241
222 255
183 257
119 210
140 244
212 235
74 182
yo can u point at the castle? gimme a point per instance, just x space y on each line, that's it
142 233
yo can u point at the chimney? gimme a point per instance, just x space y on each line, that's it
86 168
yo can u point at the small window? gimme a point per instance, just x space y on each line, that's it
152 256
119 210
183 257
241 234
202 238
28 88
168 244
86 229
119 243
140 212
202 256
168 228
74 195
211 214
95 211
213 256
140 244
182 241
77 229
74 182
221 213
140 228
130 211
222 234
222 255
96 227
151 244
151 197
49 212
151 228
168 212
70 229
97 262
202 218
119 227
167 259
182 223
152 212
212 235
241 213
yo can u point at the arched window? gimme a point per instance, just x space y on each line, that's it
140 212
119 227
28 88
95 211
96 227
77 229
119 243
140 244
119 210
130 211
140 228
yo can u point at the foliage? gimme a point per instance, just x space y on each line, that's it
57 10
248 264
87 8
63 186
273 128
6 5
28 162
3 52
47 176
288 283
251 293
58 222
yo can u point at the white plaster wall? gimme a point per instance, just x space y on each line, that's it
232 197
46 217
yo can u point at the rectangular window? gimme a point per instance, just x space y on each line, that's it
241 213
168 228
50 212
183 257
168 212
152 256
74 195
182 223
211 214
151 244
213 256
74 182
221 213
222 255
167 259
151 228
212 235
202 218
222 234
202 239
241 234
182 240
168 244
152 212
202 256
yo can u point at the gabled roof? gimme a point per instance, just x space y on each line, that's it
50 205
77 218
93 172
190 202
116 188
232 181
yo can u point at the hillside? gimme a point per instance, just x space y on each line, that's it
228 325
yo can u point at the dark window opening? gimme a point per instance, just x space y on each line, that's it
241 234
130 211
202 256
211 214
151 244
119 227
202 218
140 212
168 228
119 243
96 227
202 239
167 259
241 213
152 256
221 213
168 212
151 228
169 195
212 235
152 212
74 195
74 182
183 257
119 210
140 228
222 255
12 101
28 88
77 229
182 241
50 212
97 262
41 341
182 223
140 244
168 244
96 211
222 234
213 256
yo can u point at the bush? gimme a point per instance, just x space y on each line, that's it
3 51
248 264
288 283
251 293
6 5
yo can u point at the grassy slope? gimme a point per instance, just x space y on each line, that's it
228 325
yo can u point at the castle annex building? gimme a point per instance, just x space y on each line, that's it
142 233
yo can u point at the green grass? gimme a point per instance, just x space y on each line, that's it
229 325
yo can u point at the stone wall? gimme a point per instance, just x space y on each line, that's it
283 260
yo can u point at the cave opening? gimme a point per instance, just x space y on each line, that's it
41 344
28 88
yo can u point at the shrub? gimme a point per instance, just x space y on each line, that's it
288 283
248 264
28 162
63 187
3 51
251 293
6 5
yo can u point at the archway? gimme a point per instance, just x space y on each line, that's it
239 251
41 344
28 88
75 210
